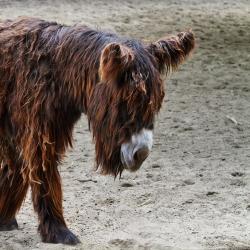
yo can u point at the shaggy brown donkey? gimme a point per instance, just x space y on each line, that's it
49 75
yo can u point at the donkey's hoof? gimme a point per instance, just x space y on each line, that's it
8 225
61 235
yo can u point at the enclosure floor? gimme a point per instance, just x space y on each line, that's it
193 191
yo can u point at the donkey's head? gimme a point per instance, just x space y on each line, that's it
123 105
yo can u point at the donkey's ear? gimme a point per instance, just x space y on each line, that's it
115 59
171 51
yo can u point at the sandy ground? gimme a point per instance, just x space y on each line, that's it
194 190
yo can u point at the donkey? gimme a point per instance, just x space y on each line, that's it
49 75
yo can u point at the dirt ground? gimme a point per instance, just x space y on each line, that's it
193 192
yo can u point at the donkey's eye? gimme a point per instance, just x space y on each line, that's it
150 126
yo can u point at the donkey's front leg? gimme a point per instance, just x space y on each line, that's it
47 200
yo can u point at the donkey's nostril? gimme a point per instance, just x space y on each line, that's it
140 155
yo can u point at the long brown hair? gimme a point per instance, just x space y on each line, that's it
51 73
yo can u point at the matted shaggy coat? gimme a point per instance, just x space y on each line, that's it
49 75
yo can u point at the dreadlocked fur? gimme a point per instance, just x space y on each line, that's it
49 75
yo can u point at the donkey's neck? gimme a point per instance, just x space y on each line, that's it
78 54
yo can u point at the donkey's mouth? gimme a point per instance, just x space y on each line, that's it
133 164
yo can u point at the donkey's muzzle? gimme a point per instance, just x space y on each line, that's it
139 157
135 152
